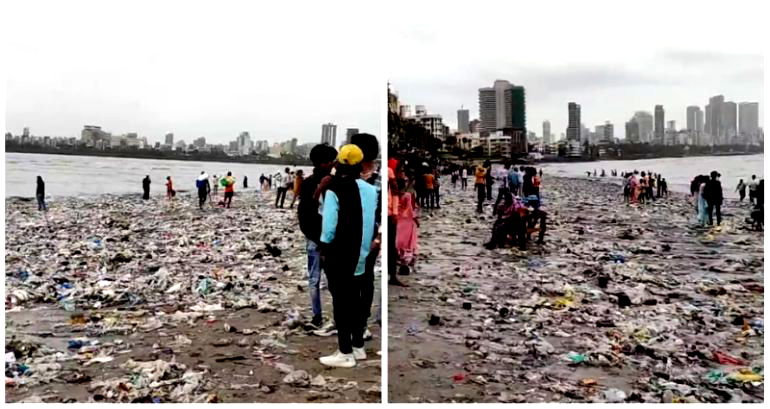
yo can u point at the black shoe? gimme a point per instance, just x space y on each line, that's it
403 270
317 321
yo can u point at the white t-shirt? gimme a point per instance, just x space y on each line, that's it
465 173
288 180
753 185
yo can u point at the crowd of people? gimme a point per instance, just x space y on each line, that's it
644 187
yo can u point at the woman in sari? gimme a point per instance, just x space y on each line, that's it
406 228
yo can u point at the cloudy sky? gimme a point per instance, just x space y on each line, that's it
196 69
613 57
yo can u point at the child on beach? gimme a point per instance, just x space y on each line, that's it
170 193
407 224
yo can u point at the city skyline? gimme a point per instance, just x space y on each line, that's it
610 76
201 76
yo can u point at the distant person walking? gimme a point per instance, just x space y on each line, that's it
741 189
40 195
480 185
204 188
490 181
245 181
282 182
713 193
146 187
296 188
464 178
229 184
216 186
170 192
753 189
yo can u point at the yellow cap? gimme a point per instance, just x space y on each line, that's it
350 155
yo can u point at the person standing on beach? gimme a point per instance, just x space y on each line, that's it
204 189
660 189
40 195
480 185
245 181
170 193
713 193
216 187
753 189
146 187
322 156
369 173
514 181
490 180
406 241
663 187
741 189
464 177
701 200
279 189
229 183
428 183
296 188
393 212
356 199
633 187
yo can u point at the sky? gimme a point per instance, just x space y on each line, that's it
613 58
192 68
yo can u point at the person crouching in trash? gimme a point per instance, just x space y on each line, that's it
347 231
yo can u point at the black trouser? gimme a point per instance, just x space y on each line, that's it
464 183
658 188
146 195
500 193
392 253
752 196
229 198
434 198
710 209
280 196
349 296
489 190
480 196
202 197
503 227
532 220
427 198
368 285
742 195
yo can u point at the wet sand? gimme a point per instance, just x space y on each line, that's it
540 327
124 302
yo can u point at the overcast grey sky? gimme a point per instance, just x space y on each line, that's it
613 58
196 69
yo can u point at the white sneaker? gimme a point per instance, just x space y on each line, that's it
328 330
359 354
367 335
339 360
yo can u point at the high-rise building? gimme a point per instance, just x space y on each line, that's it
714 118
502 102
748 120
349 134
660 120
547 132
671 126
692 118
244 143
405 111
329 134
573 123
487 110
645 121
632 131
200 142
25 132
729 122
170 139
609 132
434 124
474 126
515 108
463 118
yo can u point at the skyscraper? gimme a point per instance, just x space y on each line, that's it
329 134
609 132
748 120
349 133
244 143
515 108
692 118
547 132
729 122
170 139
659 123
645 121
573 124
487 110
632 131
715 117
463 121
502 101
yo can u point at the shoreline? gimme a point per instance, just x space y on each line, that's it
538 326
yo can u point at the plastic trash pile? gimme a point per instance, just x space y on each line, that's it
124 300
622 304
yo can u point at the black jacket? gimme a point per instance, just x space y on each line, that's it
713 192
307 210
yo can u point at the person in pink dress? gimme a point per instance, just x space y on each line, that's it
406 228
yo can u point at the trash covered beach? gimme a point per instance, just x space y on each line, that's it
623 303
115 299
